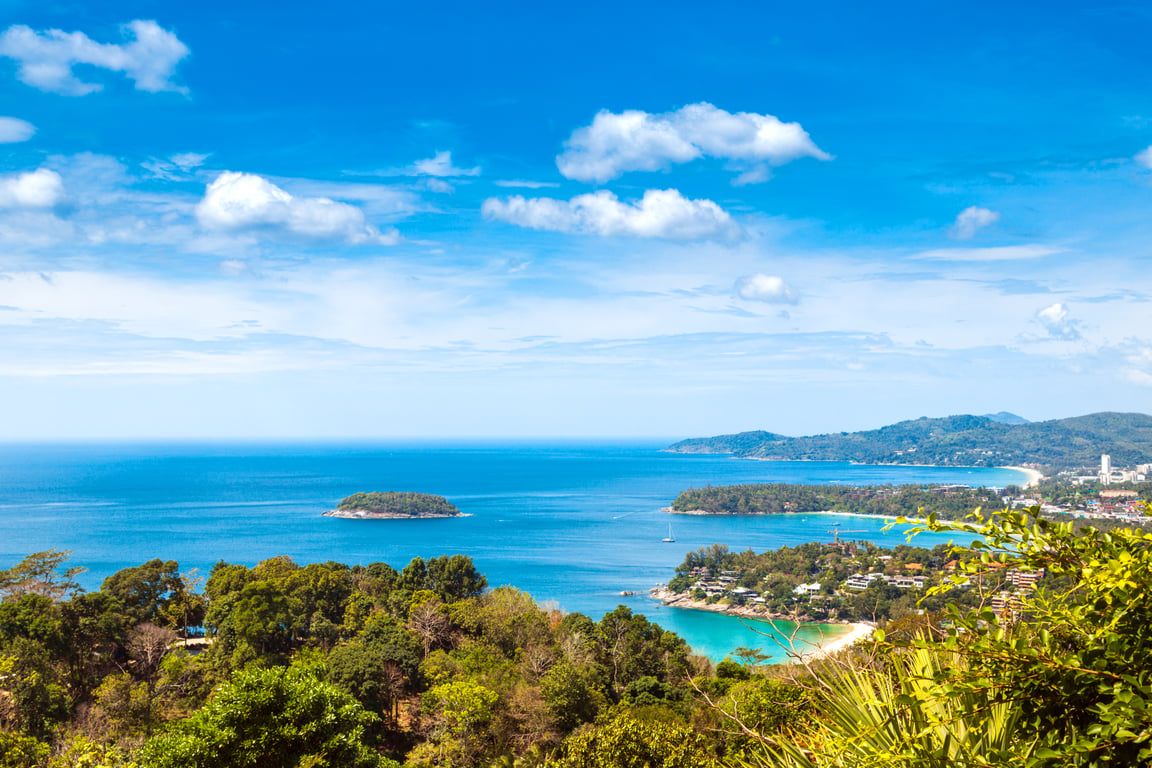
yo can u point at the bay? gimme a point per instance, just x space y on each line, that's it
574 523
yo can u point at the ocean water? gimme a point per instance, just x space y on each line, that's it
572 523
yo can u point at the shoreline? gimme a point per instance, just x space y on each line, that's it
1034 476
857 630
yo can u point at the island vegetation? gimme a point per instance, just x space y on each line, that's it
970 441
368 666
947 501
394 504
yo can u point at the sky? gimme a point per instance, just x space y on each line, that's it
397 220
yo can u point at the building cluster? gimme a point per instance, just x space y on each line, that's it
1020 581
1108 474
723 585
860 582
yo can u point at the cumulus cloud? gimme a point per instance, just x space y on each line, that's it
244 201
767 288
640 141
971 220
14 130
1058 323
45 60
440 165
1144 158
41 188
660 213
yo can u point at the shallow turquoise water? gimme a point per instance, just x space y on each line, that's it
571 523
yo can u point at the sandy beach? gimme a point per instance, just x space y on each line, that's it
859 631
1034 476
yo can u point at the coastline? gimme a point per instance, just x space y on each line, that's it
1034 476
857 630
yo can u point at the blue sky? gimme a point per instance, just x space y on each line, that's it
376 220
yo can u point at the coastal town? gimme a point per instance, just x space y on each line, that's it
850 581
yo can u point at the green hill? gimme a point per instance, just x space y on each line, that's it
973 441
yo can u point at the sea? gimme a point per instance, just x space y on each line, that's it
577 524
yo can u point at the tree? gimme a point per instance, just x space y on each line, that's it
625 742
146 591
40 574
269 718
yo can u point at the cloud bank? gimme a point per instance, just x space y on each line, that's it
640 141
45 60
661 213
244 201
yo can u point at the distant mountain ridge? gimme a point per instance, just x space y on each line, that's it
995 440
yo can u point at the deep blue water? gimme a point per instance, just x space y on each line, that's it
572 523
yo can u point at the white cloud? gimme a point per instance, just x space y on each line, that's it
971 220
46 59
1057 322
14 130
440 164
1001 253
1144 158
237 201
660 213
766 288
41 188
640 141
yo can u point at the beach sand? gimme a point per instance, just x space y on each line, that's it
1034 476
859 631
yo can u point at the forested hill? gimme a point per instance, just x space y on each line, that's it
973 441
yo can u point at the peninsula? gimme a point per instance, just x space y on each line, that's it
995 440
394 505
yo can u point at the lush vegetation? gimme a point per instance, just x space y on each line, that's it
948 502
973 441
774 576
329 665
399 503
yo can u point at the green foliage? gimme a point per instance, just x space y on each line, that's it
1076 655
41 573
269 718
884 500
625 742
17 751
895 716
404 504
146 591
571 696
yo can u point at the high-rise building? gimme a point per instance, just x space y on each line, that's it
1105 469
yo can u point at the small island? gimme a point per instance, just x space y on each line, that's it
394 505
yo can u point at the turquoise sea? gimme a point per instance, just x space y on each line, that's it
573 523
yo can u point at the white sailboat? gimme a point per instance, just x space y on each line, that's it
669 540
